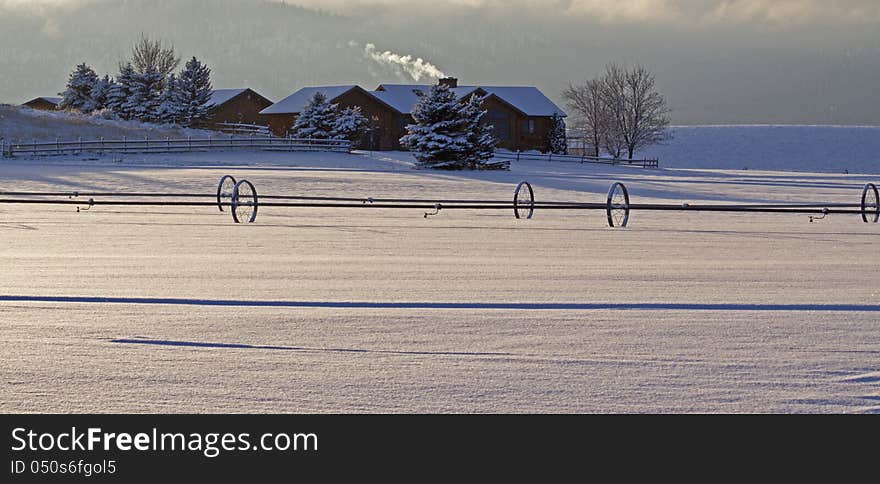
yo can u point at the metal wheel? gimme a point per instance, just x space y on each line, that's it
244 202
524 200
224 190
617 206
870 204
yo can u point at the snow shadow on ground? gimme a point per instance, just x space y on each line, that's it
447 305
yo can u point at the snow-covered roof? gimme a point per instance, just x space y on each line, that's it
220 96
53 100
529 100
403 97
297 101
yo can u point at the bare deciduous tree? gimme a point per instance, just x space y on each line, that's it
639 114
590 113
153 55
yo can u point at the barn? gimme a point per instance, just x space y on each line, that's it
520 115
237 106
43 103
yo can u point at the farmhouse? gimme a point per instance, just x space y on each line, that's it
520 115
282 115
43 103
240 106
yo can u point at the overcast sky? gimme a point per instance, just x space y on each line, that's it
717 61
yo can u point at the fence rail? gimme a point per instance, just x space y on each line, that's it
243 129
517 156
169 145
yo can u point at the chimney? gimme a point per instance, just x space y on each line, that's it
450 82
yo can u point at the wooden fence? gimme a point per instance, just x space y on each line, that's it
168 145
517 156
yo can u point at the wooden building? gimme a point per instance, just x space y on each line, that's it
520 115
282 115
238 106
43 103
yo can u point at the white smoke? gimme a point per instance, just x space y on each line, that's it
416 68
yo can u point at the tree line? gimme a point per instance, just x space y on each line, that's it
619 111
145 89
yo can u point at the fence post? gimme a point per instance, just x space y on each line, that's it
124 145
189 143
102 145
80 145
57 145
146 144
517 155
168 143
550 156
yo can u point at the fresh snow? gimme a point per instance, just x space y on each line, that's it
176 309
23 124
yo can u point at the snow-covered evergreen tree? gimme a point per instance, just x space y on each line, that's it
78 94
101 92
317 120
146 91
481 140
439 136
195 92
121 91
351 124
556 142
170 110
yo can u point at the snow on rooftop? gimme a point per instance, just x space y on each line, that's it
220 96
297 101
53 100
527 99
403 97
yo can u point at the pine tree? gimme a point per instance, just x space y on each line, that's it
146 91
78 94
170 110
195 92
121 91
481 140
317 120
101 92
438 138
556 142
351 124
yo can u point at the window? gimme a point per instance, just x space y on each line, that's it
529 126
501 123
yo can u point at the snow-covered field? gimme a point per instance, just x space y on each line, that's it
373 310
823 149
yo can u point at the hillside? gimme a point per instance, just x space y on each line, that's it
20 123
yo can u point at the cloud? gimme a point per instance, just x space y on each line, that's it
774 12
693 12
795 12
